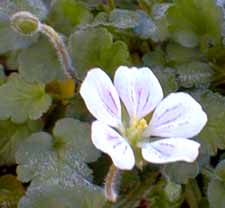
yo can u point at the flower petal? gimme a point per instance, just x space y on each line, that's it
101 98
139 90
109 141
178 115
170 150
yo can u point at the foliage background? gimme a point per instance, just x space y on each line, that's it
46 157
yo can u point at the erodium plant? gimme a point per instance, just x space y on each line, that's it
112 101
158 130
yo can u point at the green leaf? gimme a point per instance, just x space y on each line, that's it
11 136
157 196
11 190
40 63
180 172
193 22
147 28
56 167
21 100
94 47
118 18
63 196
36 7
76 108
167 79
177 54
139 21
123 19
194 74
65 15
11 40
75 137
159 10
220 170
216 194
212 136
216 188
156 58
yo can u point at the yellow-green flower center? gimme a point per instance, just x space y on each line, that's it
135 131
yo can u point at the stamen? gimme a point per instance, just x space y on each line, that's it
142 124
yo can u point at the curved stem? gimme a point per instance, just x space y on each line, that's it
111 182
61 50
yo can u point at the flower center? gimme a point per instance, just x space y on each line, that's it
135 131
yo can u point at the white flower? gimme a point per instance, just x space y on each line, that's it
174 118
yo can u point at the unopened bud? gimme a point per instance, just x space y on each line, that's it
25 23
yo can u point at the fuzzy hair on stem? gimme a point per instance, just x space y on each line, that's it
112 182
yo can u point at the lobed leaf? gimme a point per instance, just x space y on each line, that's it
11 136
21 100
216 188
65 15
56 167
94 47
212 136
195 23
180 172
194 74
40 63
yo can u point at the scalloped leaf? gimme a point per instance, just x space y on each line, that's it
63 196
56 167
194 74
212 136
158 196
216 188
176 54
36 7
156 58
191 26
118 18
11 136
11 190
146 28
166 76
40 63
94 47
167 79
123 19
216 194
21 100
137 21
220 170
61 15
180 172
76 108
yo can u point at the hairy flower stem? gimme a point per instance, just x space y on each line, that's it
61 50
27 24
111 182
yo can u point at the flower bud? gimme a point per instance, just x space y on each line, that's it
25 23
